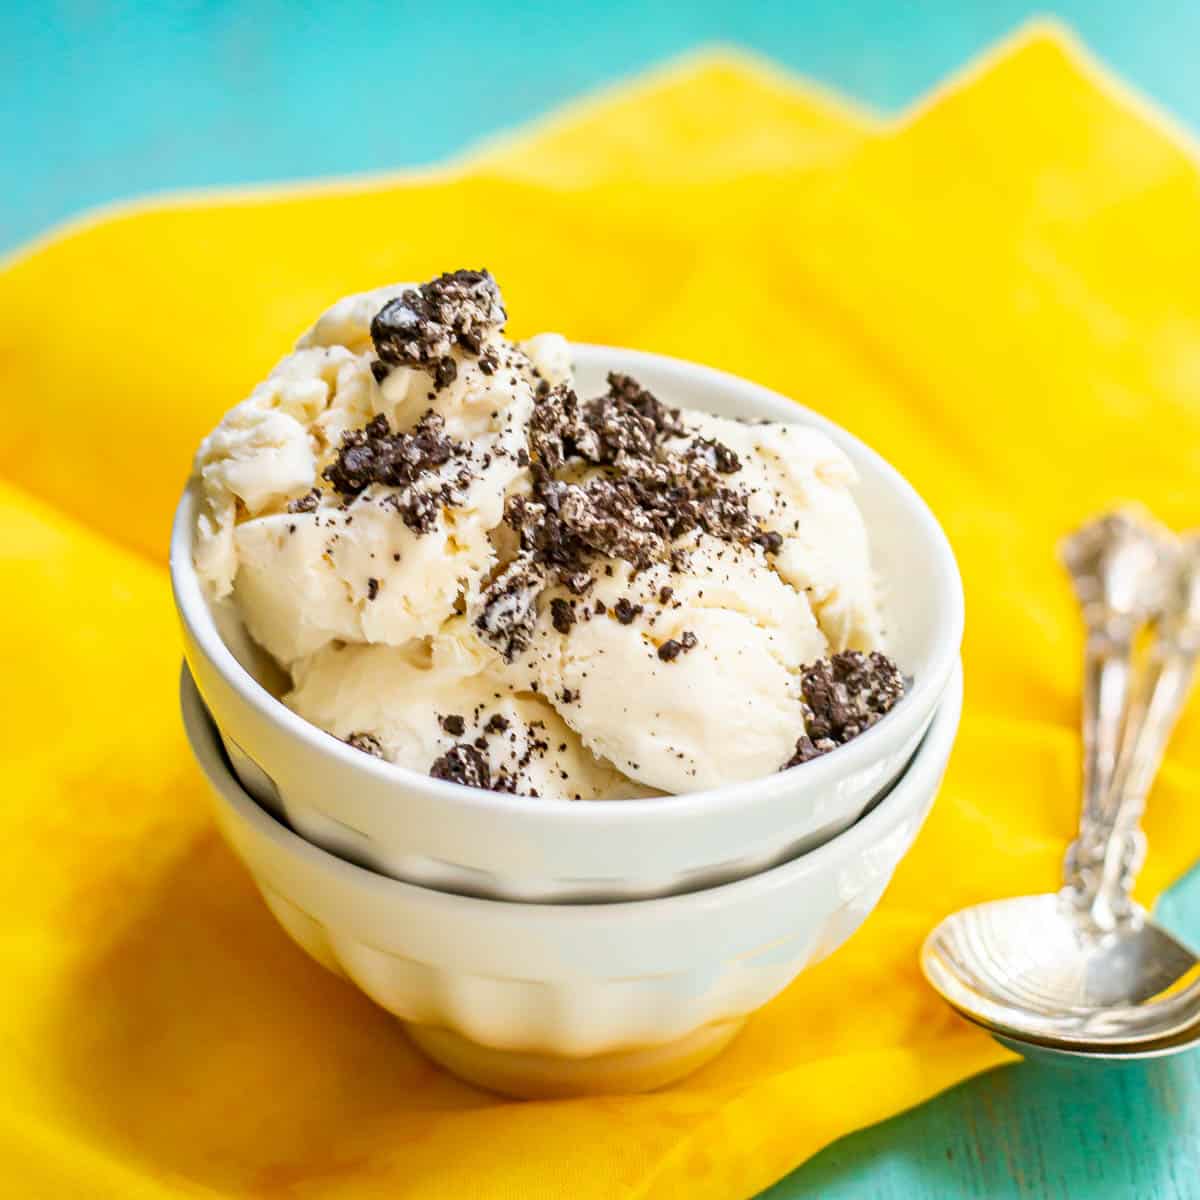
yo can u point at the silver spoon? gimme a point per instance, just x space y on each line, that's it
1162 691
1027 1047
1084 970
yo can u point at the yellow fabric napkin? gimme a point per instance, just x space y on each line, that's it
1000 291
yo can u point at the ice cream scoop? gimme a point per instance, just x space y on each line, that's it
684 675
436 715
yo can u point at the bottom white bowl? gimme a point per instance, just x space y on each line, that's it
555 999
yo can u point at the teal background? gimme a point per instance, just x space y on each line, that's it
103 101
100 101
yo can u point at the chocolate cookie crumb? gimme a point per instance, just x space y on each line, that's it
626 612
807 749
770 541
453 724
374 454
671 649
496 724
509 612
368 743
422 326
625 389
306 503
718 456
463 764
844 696
372 588
562 614
640 491
664 594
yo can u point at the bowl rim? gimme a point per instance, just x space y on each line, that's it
929 760
925 692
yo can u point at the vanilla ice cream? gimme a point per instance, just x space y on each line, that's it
402 704
472 572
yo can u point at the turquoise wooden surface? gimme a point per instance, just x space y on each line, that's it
102 101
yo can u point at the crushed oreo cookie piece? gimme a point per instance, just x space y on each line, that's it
770 541
625 390
306 503
496 724
510 607
625 612
637 494
843 696
375 455
453 724
562 614
372 588
419 510
649 496
671 649
444 373
368 743
807 749
627 422
578 583
716 454
422 326
463 764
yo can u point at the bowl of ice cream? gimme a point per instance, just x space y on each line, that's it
559 999
544 622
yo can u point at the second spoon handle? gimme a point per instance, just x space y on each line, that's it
1106 676
1160 697
1116 565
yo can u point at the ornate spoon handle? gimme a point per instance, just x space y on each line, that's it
1160 697
1116 565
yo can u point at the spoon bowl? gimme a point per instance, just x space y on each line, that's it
1030 967
1111 1055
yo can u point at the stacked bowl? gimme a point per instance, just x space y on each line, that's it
548 947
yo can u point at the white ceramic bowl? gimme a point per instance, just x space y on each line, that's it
438 834
544 999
